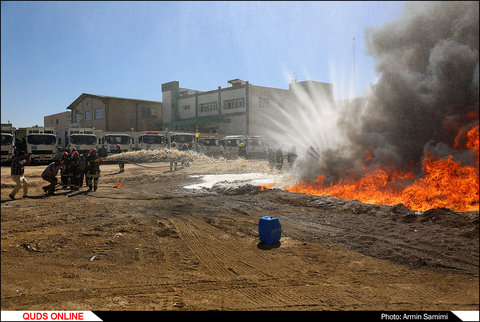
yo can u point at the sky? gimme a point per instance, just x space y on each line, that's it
52 52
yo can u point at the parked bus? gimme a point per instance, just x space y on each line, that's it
210 146
255 148
231 145
183 141
41 143
82 139
111 140
150 140
8 143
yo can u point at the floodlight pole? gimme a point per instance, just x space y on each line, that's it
354 78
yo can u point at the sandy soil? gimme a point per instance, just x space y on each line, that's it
153 245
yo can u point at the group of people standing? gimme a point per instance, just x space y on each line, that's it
275 158
75 168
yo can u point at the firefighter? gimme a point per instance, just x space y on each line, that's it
50 175
242 150
83 168
313 154
279 159
292 156
75 170
93 169
65 171
102 152
121 163
173 159
271 158
184 159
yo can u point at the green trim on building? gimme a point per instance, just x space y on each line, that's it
196 121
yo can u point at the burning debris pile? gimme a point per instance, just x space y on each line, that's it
414 138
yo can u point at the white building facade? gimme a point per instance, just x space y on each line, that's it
241 108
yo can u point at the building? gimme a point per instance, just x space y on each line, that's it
241 108
58 121
110 114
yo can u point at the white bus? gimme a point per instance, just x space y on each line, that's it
150 140
231 145
111 140
8 142
41 143
210 146
82 139
255 148
183 141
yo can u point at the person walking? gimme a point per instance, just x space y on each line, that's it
93 169
50 175
18 174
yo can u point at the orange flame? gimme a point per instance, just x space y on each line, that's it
445 183
265 187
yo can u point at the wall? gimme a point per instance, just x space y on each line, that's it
117 114
89 105
58 120
125 115
265 109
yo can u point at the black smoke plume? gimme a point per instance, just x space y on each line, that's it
427 63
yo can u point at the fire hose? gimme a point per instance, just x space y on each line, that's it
140 165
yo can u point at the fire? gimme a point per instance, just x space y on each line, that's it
265 187
445 183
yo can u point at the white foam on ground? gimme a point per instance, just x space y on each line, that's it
236 179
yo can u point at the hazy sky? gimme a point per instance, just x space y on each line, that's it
51 52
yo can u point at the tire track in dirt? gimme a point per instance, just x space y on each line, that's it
211 257
272 289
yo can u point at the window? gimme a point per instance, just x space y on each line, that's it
99 114
232 104
186 107
88 116
117 139
41 139
208 107
149 112
263 102
78 118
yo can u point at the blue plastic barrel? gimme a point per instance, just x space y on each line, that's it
269 229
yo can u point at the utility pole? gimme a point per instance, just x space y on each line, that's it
354 77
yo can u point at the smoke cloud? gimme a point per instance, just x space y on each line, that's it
427 63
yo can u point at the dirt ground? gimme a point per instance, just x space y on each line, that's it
154 245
